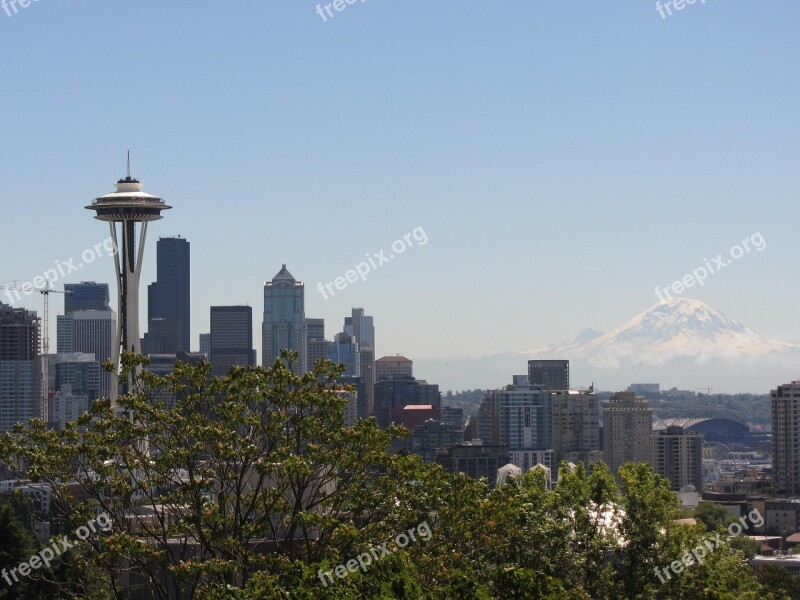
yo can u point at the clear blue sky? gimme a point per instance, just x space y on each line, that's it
563 158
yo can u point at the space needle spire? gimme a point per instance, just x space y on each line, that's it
128 210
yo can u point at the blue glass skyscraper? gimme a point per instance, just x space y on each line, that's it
284 326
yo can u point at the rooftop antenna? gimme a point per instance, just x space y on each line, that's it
129 164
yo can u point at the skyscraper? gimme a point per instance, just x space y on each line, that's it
549 374
231 338
168 298
363 329
522 421
86 295
576 426
20 367
627 427
786 437
91 332
128 207
364 335
284 326
678 456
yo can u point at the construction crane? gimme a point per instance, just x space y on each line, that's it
45 292
708 390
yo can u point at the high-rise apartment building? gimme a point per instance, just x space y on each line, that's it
231 338
576 426
678 456
627 427
284 326
523 418
549 374
20 367
786 437
168 298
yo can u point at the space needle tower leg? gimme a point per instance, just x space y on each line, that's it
127 207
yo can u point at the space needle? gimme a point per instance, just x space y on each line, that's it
128 207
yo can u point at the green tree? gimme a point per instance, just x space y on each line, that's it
252 486
258 460
712 515
16 547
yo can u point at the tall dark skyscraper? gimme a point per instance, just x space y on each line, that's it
231 338
86 295
168 304
549 374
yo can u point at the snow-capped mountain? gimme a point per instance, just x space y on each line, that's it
678 328
681 342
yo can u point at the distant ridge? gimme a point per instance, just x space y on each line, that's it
678 328
681 342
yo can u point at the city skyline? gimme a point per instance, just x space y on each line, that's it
525 270
471 154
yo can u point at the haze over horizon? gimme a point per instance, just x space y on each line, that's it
563 161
